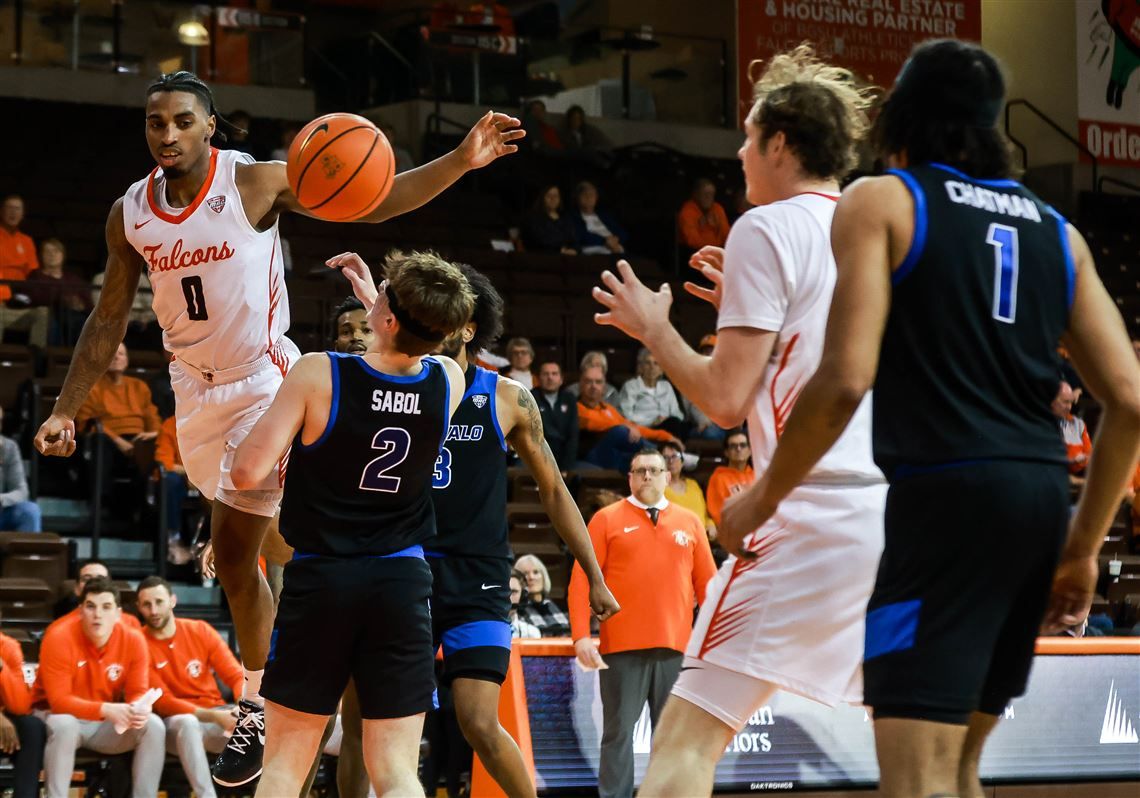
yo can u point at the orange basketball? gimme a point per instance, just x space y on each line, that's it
340 167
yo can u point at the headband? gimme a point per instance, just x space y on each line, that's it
407 322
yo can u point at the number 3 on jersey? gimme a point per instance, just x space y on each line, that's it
1004 241
195 298
441 475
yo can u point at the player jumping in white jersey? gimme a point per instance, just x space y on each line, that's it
203 225
785 613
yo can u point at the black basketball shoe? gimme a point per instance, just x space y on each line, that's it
240 761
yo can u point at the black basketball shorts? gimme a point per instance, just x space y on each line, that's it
471 599
963 584
364 617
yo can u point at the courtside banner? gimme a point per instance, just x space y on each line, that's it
1108 83
870 37
1079 721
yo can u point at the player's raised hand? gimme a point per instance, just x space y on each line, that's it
632 307
1071 600
709 261
490 138
56 437
359 276
602 602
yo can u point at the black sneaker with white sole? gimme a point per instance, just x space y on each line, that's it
240 761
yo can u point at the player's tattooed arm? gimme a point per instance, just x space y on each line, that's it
101 336
523 429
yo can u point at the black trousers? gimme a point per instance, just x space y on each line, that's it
29 760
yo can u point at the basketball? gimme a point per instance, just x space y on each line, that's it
340 167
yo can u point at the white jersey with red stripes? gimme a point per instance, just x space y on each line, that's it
219 284
779 275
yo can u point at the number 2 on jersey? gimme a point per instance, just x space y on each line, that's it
1004 241
394 443
195 298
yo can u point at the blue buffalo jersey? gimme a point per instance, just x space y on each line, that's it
470 481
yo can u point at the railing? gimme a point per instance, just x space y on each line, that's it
1116 182
1009 106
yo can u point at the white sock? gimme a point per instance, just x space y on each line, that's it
251 687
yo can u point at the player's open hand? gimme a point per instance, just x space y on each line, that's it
490 138
602 602
206 560
359 276
1073 586
632 307
742 515
56 437
709 261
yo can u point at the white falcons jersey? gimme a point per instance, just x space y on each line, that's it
779 275
219 284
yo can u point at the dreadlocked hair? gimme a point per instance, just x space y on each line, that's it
192 84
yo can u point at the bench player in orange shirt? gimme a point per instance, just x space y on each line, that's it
185 656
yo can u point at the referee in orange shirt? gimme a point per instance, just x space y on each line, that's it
641 541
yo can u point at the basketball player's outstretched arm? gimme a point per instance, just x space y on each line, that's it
722 385
1099 346
492 137
864 237
101 336
522 426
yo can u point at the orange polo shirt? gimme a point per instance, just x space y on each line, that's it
166 447
17 259
724 482
695 229
124 409
606 417
184 666
656 573
15 695
76 678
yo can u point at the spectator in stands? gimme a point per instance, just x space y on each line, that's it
17 262
590 359
404 160
1073 430
559 411
547 228
92 671
607 438
702 222
684 491
649 399
521 355
161 391
176 486
18 513
68 606
186 658
701 426
643 540
237 136
598 232
738 203
22 735
63 293
540 134
143 331
354 334
122 405
730 479
289 131
538 610
519 627
584 141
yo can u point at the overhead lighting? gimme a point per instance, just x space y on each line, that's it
193 33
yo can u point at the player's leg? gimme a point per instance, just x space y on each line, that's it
708 706
918 757
292 739
351 775
311 776
391 754
477 708
969 783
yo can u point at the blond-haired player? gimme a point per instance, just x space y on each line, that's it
787 612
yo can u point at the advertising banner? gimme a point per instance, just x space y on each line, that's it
1108 83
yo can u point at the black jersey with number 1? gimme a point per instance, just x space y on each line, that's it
363 488
969 364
